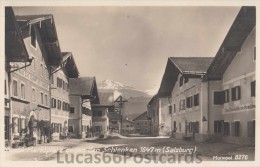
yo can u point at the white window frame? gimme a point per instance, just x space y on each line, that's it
46 99
33 98
42 98
23 96
16 87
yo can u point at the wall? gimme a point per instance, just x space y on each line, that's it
35 76
74 118
194 114
237 76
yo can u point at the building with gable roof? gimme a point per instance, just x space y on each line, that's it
232 105
83 94
180 96
60 103
212 99
143 124
15 52
28 80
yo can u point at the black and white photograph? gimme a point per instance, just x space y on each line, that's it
121 84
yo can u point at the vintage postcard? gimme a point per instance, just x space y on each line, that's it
129 84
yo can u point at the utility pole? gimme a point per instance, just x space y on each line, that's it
121 101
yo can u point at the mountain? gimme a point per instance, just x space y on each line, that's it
137 99
125 90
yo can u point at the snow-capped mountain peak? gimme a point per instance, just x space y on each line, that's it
110 84
125 90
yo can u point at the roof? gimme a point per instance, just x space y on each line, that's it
192 65
45 25
15 50
152 100
106 98
143 116
70 65
85 87
187 66
243 24
125 120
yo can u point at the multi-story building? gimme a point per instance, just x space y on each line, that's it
60 94
210 99
15 51
82 94
180 102
232 103
153 112
143 124
128 127
30 83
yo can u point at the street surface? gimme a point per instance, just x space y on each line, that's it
134 148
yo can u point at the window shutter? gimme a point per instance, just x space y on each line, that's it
215 126
232 128
253 89
233 94
222 127
250 129
239 92
191 101
19 125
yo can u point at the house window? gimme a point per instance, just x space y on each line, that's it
115 122
59 82
196 100
237 128
226 129
15 92
72 110
46 100
41 98
59 104
33 64
180 127
22 91
254 53
33 37
189 101
174 108
181 81
218 97
170 109
236 93
226 96
217 126
52 79
46 72
5 88
253 89
33 95
53 103
6 128
42 69
182 105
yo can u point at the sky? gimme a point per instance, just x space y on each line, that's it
131 44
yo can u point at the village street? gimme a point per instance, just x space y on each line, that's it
146 147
